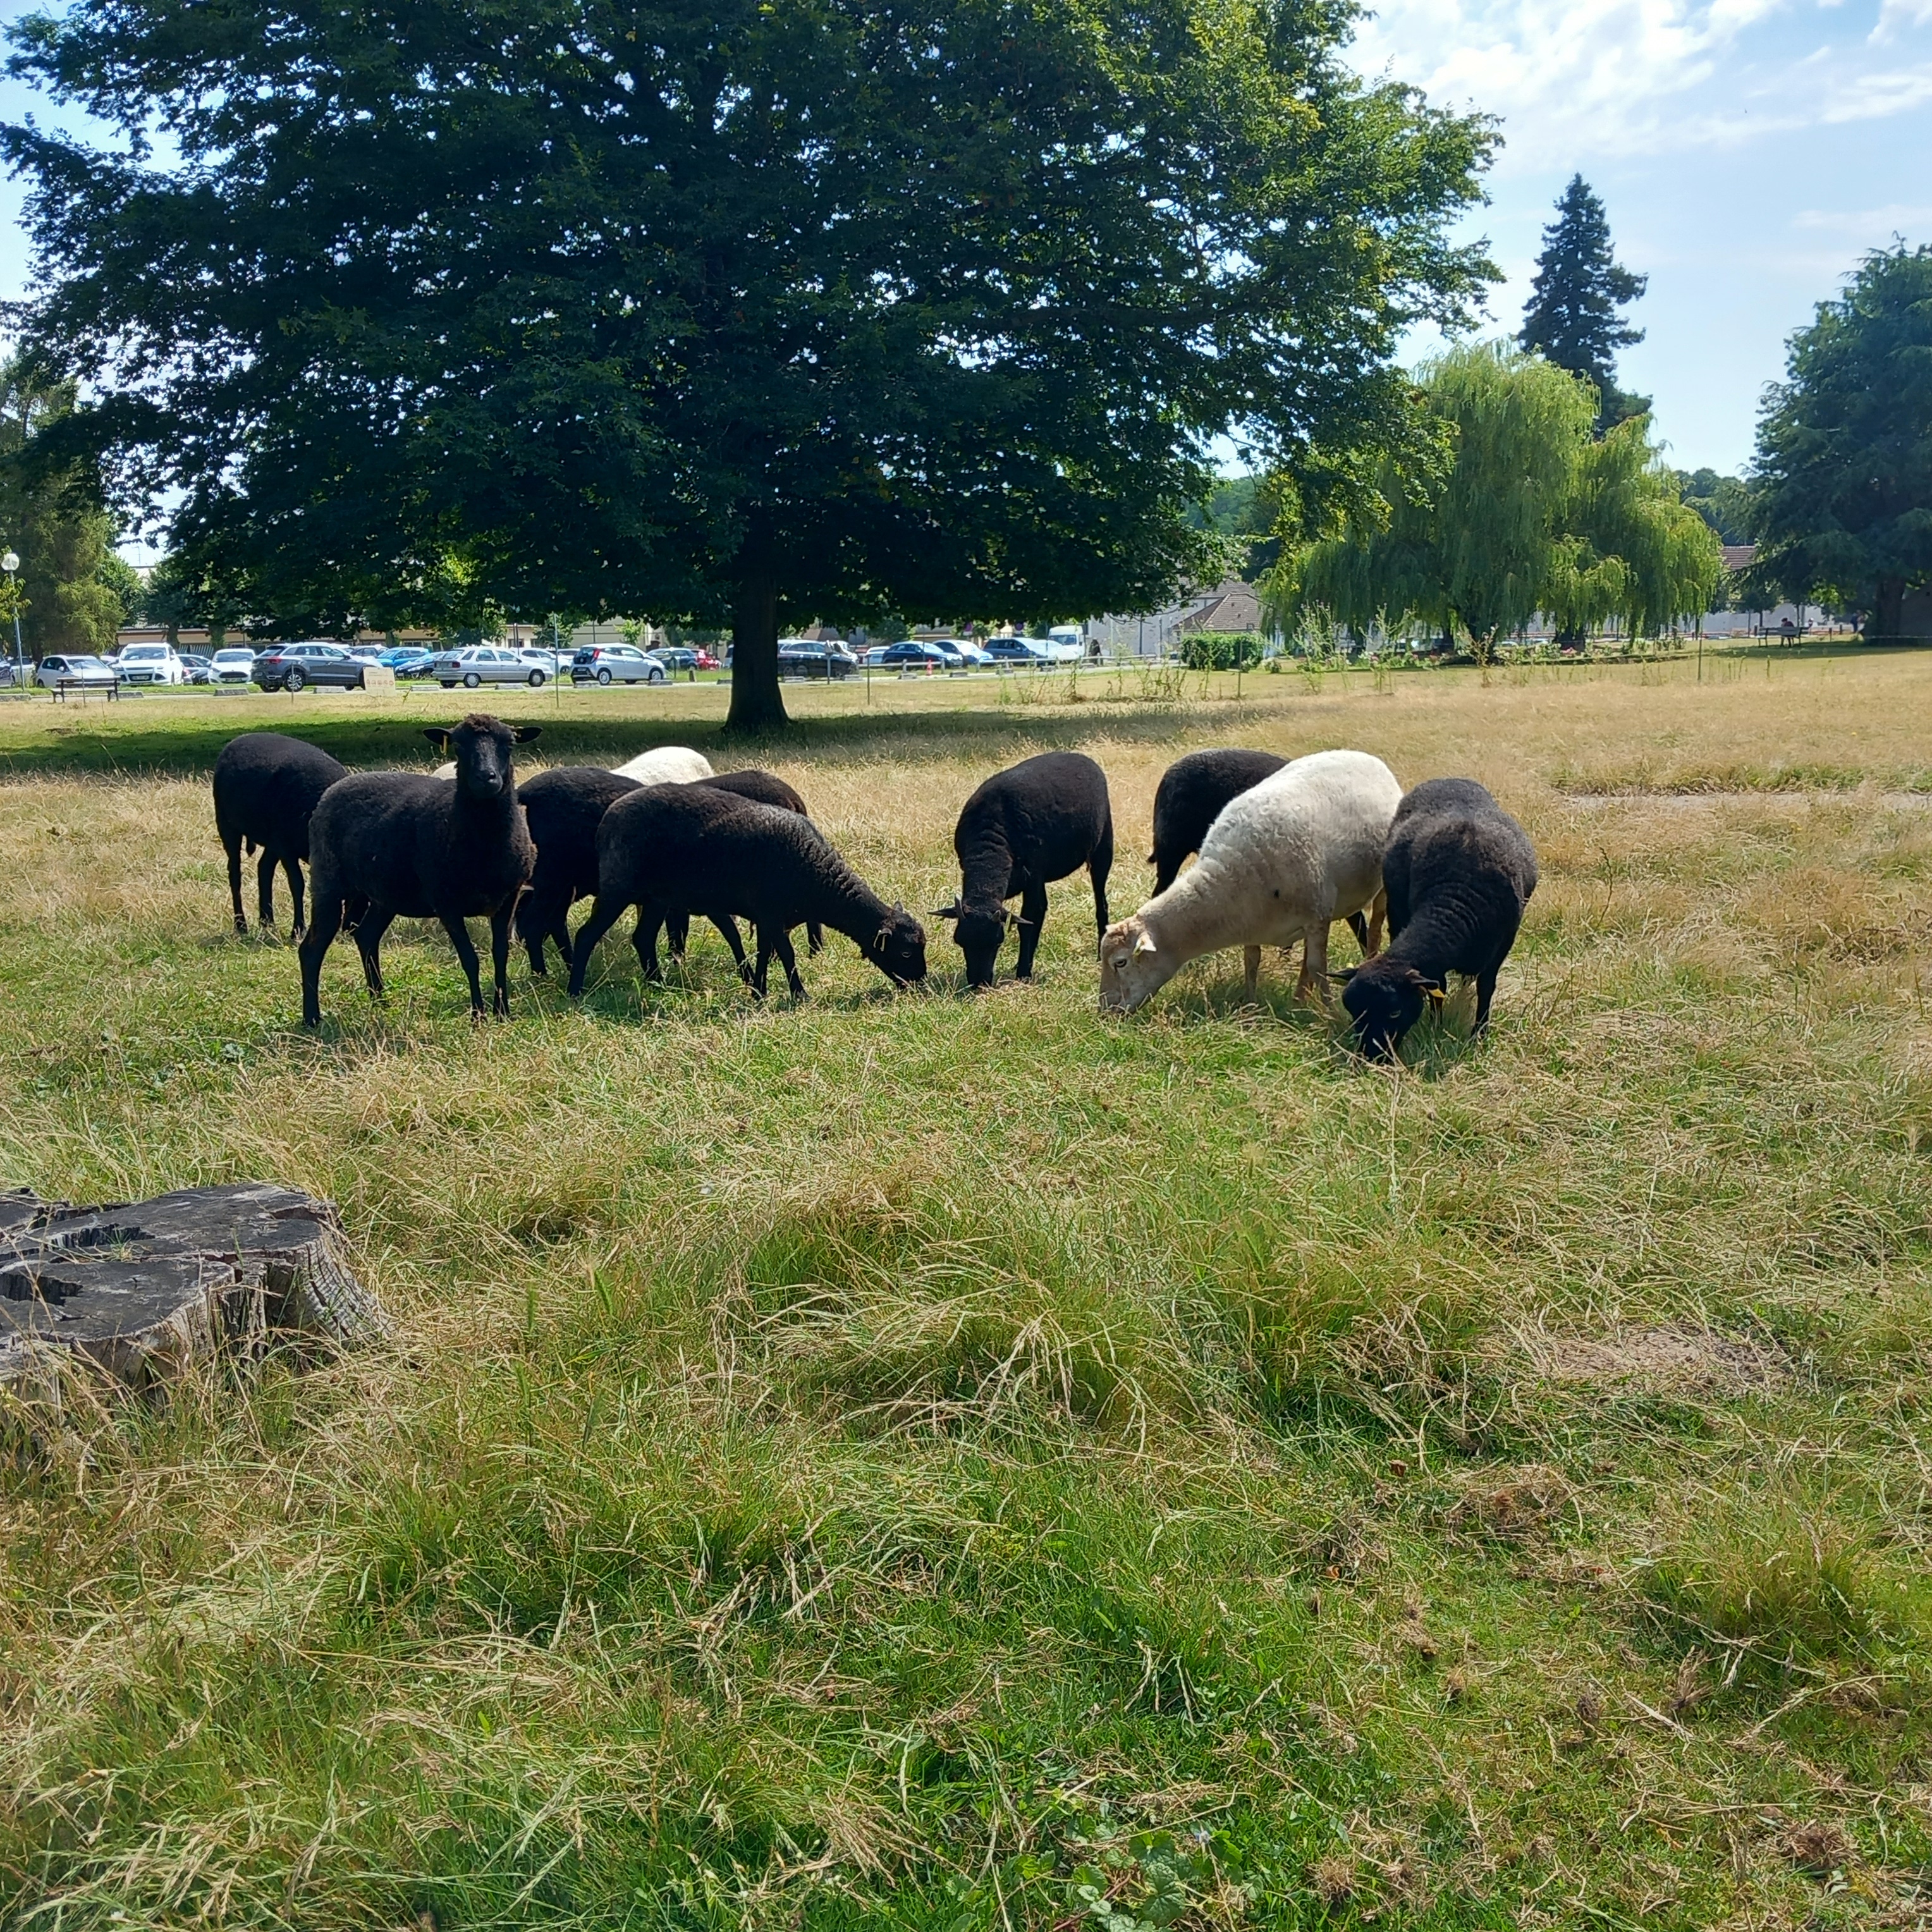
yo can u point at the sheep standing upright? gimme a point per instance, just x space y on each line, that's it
1284 859
766 788
698 851
1459 872
415 847
266 788
1034 822
563 807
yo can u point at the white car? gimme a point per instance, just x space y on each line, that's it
55 671
485 664
149 664
232 664
615 664
552 664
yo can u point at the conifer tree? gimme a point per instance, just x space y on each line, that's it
1572 317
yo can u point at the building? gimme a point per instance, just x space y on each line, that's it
1232 605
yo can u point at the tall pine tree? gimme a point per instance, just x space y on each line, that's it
1572 317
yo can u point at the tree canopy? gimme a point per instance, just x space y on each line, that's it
1843 485
1573 315
1724 502
724 312
1524 512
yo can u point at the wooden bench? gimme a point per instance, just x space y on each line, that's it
67 687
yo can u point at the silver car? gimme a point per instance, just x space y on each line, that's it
485 664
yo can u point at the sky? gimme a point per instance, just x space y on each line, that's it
1748 152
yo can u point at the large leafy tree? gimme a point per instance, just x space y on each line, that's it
1523 512
1724 502
1573 316
724 310
1842 489
71 589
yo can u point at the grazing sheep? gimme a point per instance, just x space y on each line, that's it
697 850
767 788
668 764
1459 872
266 787
401 845
564 808
1283 860
1023 828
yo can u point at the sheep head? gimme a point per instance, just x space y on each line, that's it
898 948
481 748
1133 966
979 930
1385 997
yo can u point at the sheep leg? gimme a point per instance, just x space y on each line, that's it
1378 922
644 940
235 884
1098 867
603 915
788 959
499 957
369 932
466 951
536 921
1359 926
761 972
1485 990
1033 916
326 904
265 888
728 927
814 937
677 935
1314 981
292 872
1251 965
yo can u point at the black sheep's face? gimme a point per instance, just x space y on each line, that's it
980 933
483 748
899 949
1383 1007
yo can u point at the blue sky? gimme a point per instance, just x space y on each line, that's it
1748 152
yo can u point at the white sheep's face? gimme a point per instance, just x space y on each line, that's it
1132 969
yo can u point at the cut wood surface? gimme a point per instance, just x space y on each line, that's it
138 1290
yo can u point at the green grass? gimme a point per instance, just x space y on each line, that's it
958 1463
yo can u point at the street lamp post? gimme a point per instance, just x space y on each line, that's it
10 563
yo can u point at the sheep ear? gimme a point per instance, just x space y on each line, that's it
946 912
437 736
526 734
1142 944
1343 978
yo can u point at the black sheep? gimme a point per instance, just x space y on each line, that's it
1459 872
400 844
564 808
1192 792
696 850
266 787
766 788
1023 828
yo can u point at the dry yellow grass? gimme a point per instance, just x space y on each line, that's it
897 1455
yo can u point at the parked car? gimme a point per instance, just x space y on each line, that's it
407 660
233 664
974 656
195 669
915 651
802 657
706 660
484 664
294 666
70 670
677 658
615 664
541 657
149 664
1017 650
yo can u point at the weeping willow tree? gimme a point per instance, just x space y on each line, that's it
1520 512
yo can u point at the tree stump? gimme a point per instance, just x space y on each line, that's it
137 1291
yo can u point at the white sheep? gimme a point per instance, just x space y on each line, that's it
669 764
1282 861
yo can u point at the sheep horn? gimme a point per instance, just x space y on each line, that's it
1437 998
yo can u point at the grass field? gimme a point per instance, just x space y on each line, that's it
907 1460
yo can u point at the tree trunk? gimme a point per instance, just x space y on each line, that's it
137 1293
1888 616
756 705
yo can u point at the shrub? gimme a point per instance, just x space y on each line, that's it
1221 650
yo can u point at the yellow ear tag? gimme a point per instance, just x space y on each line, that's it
1437 997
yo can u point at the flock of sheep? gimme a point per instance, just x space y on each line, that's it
1284 848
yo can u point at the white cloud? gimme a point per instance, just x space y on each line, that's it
1616 77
